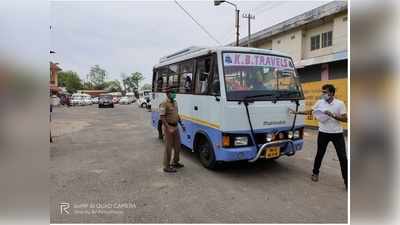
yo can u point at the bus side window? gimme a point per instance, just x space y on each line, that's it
159 81
202 75
173 76
164 77
215 84
186 75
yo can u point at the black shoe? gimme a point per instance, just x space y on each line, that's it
170 170
315 177
177 165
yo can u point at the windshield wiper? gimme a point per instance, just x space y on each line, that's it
288 93
246 98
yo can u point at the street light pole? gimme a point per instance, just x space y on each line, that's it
237 11
249 17
237 26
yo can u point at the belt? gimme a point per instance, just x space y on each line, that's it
173 124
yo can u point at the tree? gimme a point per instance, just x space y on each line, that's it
97 77
123 77
70 80
132 82
146 87
113 86
136 79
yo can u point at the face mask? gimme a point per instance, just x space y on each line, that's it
172 96
325 97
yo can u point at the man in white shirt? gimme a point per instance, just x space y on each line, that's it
330 112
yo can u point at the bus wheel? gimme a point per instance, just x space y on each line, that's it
143 105
206 152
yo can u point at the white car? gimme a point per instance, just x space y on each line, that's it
95 100
76 100
87 100
125 100
55 101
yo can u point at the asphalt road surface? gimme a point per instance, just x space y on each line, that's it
106 167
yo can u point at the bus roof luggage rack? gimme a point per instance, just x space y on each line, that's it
181 53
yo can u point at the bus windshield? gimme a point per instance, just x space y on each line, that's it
249 75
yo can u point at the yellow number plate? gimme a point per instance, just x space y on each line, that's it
272 152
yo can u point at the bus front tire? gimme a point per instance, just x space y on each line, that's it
206 152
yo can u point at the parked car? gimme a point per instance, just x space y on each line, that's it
131 96
87 100
95 100
55 101
125 100
65 100
76 100
106 101
115 100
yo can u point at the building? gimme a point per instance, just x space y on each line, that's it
317 42
53 83
93 93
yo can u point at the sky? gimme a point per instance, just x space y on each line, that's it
131 36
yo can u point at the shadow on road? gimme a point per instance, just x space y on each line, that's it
240 167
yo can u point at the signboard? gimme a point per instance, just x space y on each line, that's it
312 93
244 59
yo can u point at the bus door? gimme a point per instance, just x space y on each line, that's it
206 104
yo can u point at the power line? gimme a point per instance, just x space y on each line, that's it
194 20
263 9
260 6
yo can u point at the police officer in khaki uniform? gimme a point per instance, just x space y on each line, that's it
170 119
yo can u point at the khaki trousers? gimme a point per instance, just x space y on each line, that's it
172 140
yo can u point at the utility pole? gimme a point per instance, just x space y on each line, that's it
249 17
237 11
237 26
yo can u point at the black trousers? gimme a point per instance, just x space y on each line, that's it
340 146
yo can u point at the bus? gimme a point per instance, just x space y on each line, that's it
233 101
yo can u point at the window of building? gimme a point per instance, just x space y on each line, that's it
186 78
315 42
326 39
292 37
344 19
203 70
279 41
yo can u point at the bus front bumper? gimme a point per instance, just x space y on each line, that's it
287 147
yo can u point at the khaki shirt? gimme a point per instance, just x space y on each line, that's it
170 111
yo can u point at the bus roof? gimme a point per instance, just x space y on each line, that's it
196 51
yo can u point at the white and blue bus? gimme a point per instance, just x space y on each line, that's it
233 101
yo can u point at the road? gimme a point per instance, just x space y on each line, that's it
105 167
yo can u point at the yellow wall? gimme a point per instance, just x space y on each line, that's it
312 92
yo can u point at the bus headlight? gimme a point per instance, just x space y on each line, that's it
269 137
290 134
296 134
241 141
